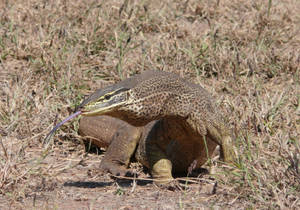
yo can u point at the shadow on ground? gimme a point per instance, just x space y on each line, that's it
120 182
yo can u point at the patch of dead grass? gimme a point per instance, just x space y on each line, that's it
54 52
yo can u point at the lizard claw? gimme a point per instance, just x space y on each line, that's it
173 185
116 169
113 168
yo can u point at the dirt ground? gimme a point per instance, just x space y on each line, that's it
53 53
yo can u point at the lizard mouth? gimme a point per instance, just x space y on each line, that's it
93 112
100 108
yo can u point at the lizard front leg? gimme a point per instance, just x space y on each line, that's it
119 152
120 138
150 153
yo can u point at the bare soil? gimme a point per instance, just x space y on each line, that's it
53 53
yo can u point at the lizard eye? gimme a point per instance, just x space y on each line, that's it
107 97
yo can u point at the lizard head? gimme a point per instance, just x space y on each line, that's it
105 101
119 100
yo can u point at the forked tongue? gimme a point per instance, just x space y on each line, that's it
48 137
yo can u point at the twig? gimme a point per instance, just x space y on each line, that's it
4 149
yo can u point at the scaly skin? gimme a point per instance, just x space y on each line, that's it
176 123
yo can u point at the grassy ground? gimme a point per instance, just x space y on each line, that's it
52 53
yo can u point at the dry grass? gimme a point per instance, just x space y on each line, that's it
247 53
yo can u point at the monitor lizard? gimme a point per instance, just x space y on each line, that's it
170 124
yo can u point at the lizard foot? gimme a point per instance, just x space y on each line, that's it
116 169
173 185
